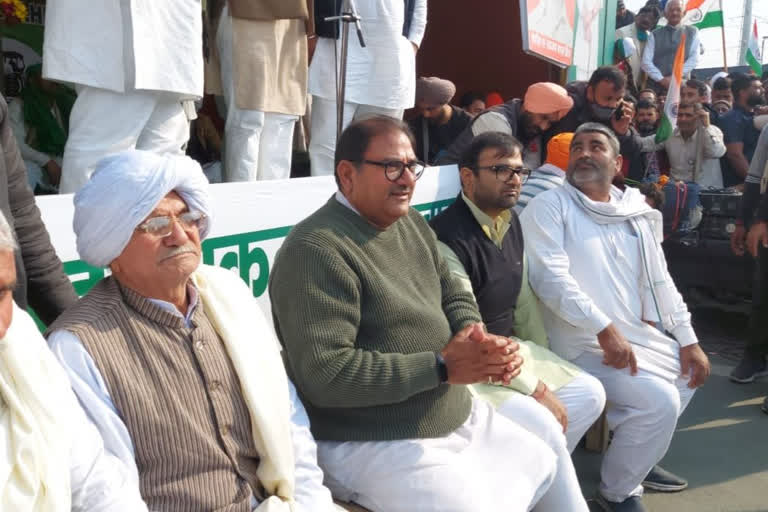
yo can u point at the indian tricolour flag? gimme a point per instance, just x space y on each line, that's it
669 119
703 13
754 59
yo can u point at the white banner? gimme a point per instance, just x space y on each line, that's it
249 223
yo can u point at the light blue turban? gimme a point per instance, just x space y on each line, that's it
123 191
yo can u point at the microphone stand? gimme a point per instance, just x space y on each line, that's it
348 16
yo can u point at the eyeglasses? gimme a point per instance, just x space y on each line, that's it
162 226
393 169
505 172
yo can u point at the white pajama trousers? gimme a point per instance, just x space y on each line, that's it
322 137
584 400
257 145
488 463
104 122
642 411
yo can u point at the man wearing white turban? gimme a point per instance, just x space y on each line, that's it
52 459
172 359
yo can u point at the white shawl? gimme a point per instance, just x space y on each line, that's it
255 354
630 205
35 433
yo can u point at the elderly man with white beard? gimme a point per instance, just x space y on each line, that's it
52 459
173 360
597 264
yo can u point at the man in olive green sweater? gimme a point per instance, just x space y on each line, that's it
381 340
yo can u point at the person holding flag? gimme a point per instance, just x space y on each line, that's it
660 50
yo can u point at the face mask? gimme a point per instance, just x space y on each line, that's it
646 128
642 35
601 113
755 100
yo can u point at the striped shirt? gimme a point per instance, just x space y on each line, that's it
542 179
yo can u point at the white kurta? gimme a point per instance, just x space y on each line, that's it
383 74
587 276
122 45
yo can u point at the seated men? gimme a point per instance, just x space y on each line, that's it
526 119
549 175
596 263
481 240
53 459
694 148
381 339
173 360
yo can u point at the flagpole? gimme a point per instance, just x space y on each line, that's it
722 30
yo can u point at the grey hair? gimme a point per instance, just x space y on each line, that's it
7 240
599 128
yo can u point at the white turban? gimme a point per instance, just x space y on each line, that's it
123 191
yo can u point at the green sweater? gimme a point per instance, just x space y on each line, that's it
360 313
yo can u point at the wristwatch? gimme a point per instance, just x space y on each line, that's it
442 368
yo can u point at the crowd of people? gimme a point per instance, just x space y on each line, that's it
446 365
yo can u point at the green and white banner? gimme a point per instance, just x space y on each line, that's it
250 222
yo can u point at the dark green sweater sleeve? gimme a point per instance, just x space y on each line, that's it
316 307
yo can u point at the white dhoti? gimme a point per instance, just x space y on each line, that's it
105 122
489 463
257 145
322 141
642 412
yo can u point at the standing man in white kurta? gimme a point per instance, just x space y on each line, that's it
381 78
261 63
597 265
133 63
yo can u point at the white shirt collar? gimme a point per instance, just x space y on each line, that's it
343 200
193 299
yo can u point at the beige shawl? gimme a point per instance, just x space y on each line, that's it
35 433
255 354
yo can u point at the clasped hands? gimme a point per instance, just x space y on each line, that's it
474 356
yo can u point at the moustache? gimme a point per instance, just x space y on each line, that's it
176 251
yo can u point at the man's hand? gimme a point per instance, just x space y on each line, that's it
758 236
695 361
664 82
617 350
738 237
548 399
53 169
621 127
704 118
472 357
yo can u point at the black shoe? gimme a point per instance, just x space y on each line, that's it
659 479
749 369
765 406
631 504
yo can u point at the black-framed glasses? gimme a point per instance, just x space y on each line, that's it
162 226
505 172
393 169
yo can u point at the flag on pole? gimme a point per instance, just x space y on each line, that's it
754 59
669 119
703 14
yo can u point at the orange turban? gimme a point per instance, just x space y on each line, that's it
559 150
547 98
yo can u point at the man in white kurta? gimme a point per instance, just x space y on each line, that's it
132 63
596 264
381 78
52 459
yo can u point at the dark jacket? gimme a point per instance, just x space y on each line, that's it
42 283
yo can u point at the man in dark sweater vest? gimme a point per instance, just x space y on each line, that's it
381 342
660 50
481 240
